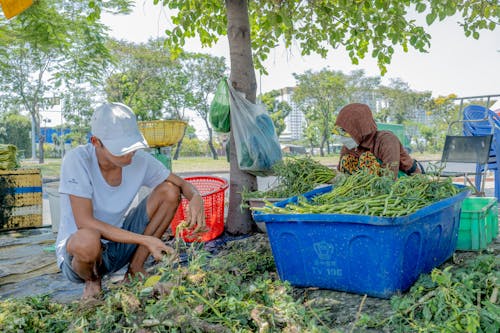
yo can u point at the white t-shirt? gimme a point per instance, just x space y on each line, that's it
81 176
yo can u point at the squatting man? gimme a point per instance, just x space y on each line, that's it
99 232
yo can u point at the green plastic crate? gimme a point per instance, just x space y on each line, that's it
478 223
165 160
397 129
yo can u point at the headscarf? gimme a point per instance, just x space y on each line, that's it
357 120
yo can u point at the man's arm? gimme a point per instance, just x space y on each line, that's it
195 214
84 218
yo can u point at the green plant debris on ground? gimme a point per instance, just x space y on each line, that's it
235 291
238 290
453 299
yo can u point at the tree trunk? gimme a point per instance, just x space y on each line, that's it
41 138
242 78
178 146
215 156
177 149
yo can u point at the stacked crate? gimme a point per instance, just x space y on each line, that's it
20 199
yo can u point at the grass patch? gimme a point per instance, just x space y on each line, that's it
51 167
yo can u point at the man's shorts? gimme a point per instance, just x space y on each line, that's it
114 255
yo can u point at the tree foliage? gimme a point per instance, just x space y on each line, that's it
363 28
443 109
362 88
319 95
78 106
50 46
142 77
14 129
399 102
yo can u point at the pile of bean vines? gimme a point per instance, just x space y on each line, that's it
236 291
453 299
368 194
294 176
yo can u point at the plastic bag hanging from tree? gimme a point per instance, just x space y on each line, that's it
257 145
219 108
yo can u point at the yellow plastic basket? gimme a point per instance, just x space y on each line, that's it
24 199
23 177
23 221
162 133
12 8
22 202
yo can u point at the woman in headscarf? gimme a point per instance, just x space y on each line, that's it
364 147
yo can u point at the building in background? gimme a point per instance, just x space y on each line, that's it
295 121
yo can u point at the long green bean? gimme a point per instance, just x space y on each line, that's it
367 194
295 175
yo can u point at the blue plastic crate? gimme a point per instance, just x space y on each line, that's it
371 255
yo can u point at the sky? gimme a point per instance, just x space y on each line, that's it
454 63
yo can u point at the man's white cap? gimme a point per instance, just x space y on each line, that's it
115 125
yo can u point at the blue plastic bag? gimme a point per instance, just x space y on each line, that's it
257 145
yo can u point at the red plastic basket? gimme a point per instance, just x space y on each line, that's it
212 190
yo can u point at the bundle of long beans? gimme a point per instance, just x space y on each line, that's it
295 175
368 194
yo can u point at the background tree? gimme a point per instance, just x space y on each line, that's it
399 102
77 107
15 129
139 77
430 139
50 46
205 72
362 89
255 27
443 110
145 77
312 133
318 95
278 109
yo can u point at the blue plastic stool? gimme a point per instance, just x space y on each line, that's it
483 127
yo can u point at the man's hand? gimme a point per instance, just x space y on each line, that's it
157 248
195 212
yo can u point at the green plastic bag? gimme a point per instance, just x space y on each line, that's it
219 108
